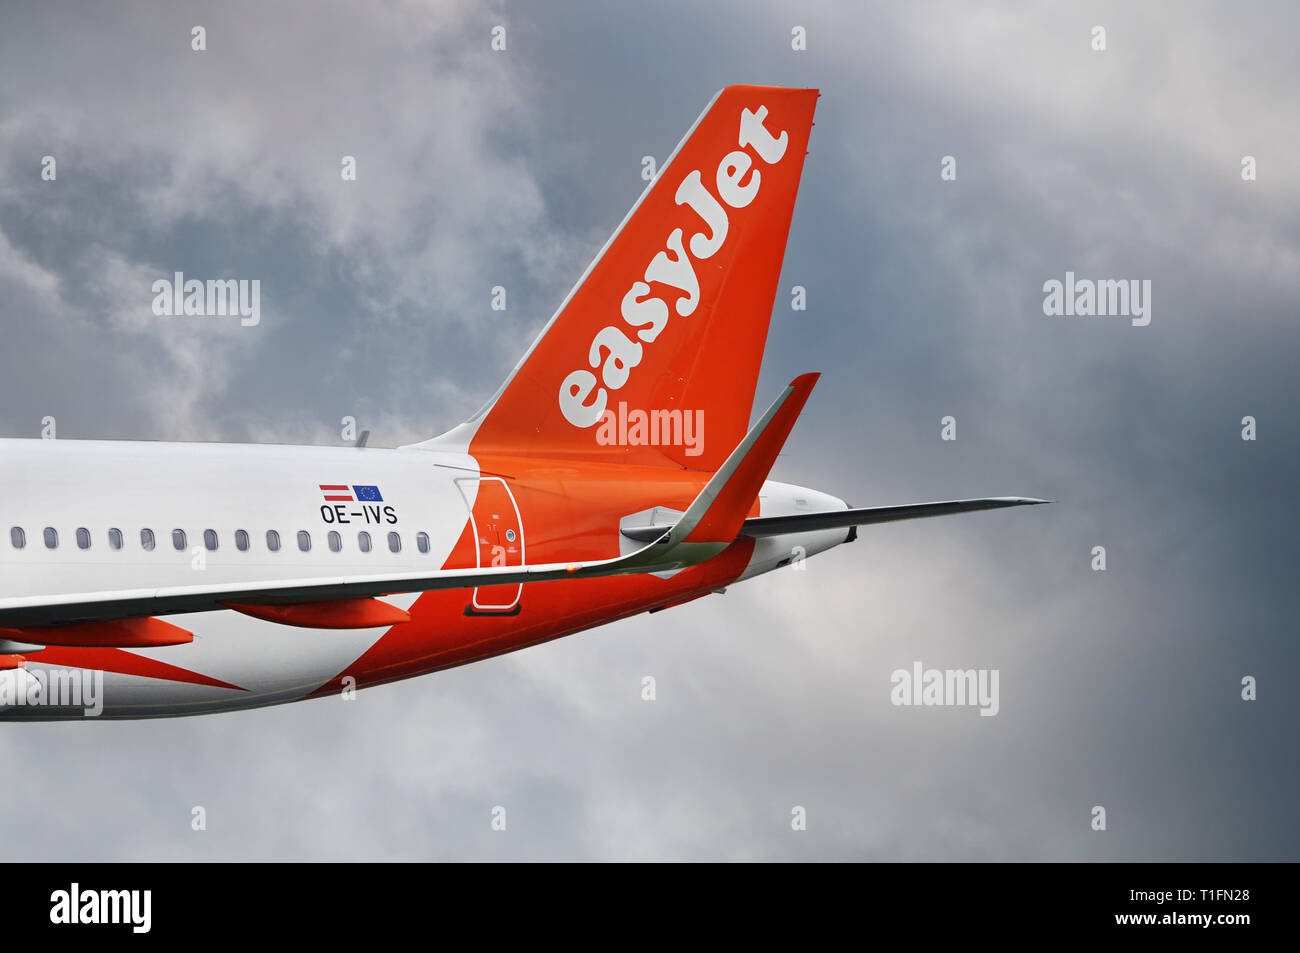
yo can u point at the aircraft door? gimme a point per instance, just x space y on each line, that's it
499 536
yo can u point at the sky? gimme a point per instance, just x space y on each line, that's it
1120 689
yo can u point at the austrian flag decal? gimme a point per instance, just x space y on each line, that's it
342 493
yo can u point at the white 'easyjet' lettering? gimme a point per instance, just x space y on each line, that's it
583 395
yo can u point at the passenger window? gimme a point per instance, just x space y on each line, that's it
51 537
146 539
336 541
304 540
83 538
114 538
241 540
178 540
17 537
422 542
363 541
210 540
394 543
272 540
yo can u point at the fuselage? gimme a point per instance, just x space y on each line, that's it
97 516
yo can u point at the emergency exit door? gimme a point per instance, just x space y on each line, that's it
499 534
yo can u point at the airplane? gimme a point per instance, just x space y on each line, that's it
614 472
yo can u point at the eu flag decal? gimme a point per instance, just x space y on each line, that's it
367 494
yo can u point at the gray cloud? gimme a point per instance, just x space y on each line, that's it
925 299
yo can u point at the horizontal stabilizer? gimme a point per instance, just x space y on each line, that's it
842 519
864 516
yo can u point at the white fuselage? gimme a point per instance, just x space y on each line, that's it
85 497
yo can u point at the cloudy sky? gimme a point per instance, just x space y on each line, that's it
477 168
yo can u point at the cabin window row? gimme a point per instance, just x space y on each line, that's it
180 542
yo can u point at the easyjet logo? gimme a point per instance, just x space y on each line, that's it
613 353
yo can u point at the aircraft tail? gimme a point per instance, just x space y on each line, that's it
655 353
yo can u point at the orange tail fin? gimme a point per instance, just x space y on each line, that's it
655 353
